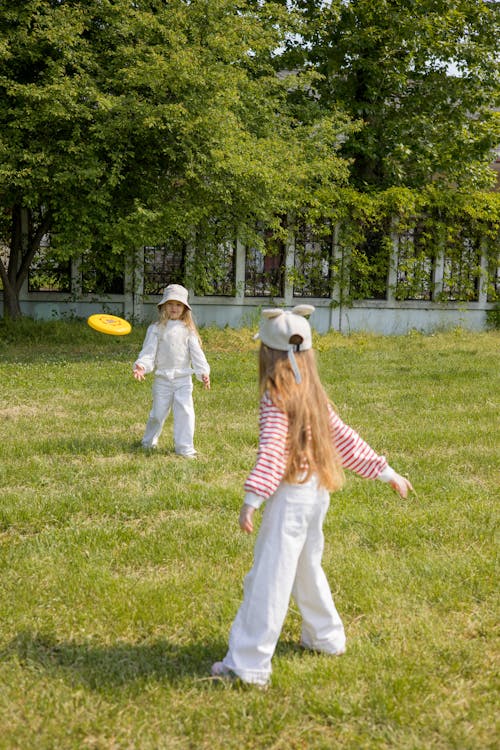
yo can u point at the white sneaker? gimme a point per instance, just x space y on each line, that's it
307 647
222 672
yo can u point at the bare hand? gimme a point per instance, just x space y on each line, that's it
401 485
206 381
246 518
139 372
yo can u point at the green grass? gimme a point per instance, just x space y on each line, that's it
121 572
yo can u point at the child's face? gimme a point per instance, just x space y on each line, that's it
174 309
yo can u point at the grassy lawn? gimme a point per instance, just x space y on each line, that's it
121 572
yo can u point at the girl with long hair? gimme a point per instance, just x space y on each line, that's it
303 450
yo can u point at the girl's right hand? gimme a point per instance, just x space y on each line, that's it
246 518
139 372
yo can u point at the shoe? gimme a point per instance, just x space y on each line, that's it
307 647
220 670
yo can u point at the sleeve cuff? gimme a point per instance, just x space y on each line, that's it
387 474
254 500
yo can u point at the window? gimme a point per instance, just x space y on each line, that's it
102 272
494 278
415 266
265 270
369 266
462 270
215 270
313 262
164 265
49 274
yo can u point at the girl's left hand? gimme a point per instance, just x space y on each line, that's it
246 518
206 381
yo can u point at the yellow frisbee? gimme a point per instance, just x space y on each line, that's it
109 324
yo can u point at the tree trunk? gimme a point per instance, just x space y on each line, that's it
11 306
24 244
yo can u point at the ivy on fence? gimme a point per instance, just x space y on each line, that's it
429 245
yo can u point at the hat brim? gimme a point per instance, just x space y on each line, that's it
173 299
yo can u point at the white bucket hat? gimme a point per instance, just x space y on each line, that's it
175 293
278 326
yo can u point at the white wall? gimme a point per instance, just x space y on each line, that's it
374 317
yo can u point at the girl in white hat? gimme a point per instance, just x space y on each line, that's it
303 448
172 348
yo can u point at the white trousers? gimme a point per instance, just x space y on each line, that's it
287 561
177 396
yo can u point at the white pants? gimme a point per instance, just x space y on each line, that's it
175 395
287 561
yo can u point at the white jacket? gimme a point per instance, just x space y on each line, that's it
173 351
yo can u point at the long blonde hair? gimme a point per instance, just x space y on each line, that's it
310 446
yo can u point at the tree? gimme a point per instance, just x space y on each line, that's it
131 122
421 76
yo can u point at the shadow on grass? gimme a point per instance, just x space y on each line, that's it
102 666
99 445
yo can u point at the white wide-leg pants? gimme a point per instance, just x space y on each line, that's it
175 395
287 561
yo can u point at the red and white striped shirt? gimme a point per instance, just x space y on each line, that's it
355 454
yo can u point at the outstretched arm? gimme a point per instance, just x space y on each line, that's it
356 454
401 485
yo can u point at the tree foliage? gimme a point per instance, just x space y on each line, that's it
422 77
128 122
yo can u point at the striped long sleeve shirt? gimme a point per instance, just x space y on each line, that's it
355 454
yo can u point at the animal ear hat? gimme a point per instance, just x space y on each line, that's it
278 326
